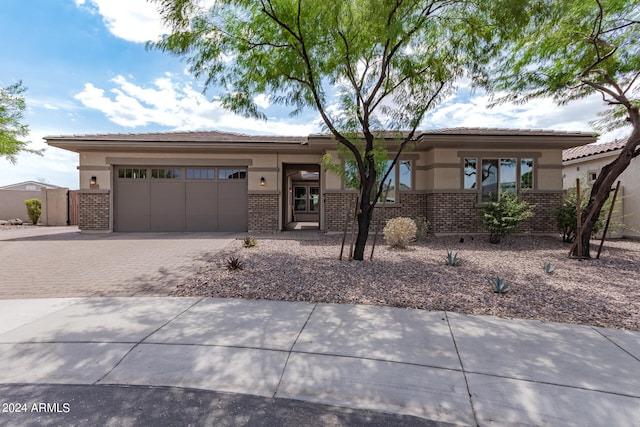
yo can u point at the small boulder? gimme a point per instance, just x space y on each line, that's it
15 221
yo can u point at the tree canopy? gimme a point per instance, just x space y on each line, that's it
572 49
364 65
12 128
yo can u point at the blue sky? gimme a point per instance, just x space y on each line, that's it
87 71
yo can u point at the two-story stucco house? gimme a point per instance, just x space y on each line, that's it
214 181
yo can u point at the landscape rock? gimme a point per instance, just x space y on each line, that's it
598 292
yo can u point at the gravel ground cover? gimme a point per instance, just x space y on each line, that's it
604 292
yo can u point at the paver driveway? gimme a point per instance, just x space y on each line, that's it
41 262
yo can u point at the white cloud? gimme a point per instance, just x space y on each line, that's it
132 20
166 102
262 101
465 110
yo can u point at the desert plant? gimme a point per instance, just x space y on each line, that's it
422 227
499 285
566 213
234 263
452 259
34 209
549 268
503 216
399 232
249 242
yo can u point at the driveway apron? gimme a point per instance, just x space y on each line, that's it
43 262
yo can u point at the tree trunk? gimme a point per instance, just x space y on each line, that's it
605 182
364 222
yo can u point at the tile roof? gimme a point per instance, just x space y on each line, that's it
502 131
186 136
216 136
592 149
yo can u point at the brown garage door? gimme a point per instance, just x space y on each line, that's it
180 199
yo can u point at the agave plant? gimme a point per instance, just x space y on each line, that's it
549 268
499 285
234 263
452 259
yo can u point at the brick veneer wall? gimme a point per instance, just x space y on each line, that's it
337 204
454 213
544 213
93 211
460 213
263 212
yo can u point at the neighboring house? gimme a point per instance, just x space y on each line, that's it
214 181
12 198
28 186
586 162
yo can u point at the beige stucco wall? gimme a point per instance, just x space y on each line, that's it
260 165
265 165
12 203
629 194
445 166
54 206
440 169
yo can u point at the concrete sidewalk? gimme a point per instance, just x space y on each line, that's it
447 367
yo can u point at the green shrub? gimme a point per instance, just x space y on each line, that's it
503 216
249 242
34 209
399 232
566 214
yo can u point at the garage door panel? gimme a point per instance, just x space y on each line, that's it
201 206
233 197
132 206
167 206
150 199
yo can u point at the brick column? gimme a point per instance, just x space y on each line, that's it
263 212
93 210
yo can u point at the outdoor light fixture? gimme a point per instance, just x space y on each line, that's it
263 182
94 182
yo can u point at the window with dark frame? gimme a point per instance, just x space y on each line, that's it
400 179
165 173
232 173
200 173
132 173
492 176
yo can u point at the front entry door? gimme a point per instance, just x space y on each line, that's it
306 203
